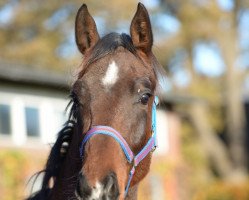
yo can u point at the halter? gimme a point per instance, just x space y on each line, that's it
132 159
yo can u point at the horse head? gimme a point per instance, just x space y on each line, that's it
116 90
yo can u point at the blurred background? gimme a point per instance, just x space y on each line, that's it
203 118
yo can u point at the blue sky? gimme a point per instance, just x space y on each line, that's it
207 59
226 5
6 14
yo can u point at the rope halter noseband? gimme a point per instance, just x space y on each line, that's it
132 159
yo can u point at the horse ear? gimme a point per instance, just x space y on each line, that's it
86 32
140 30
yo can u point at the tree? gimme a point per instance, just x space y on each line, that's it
42 34
208 22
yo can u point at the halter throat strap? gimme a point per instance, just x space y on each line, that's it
131 158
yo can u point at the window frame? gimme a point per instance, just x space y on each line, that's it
42 104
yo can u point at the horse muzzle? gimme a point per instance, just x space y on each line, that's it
107 189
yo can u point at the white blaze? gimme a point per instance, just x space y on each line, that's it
111 75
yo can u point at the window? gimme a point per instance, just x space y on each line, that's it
5 119
32 121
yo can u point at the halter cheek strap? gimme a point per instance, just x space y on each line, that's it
131 158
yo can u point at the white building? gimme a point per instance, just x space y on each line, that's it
32 105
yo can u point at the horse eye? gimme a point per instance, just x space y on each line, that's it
145 98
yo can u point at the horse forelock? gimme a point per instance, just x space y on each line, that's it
108 45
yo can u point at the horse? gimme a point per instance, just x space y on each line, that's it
104 149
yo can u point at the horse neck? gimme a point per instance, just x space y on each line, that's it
65 185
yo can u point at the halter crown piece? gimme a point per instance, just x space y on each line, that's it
132 159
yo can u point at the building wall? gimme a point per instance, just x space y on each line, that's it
30 116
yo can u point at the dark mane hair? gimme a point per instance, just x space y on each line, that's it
105 46
109 43
59 150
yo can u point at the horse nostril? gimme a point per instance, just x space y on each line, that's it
108 189
111 189
82 188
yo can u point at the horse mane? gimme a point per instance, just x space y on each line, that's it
106 45
58 151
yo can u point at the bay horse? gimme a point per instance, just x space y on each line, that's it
104 149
